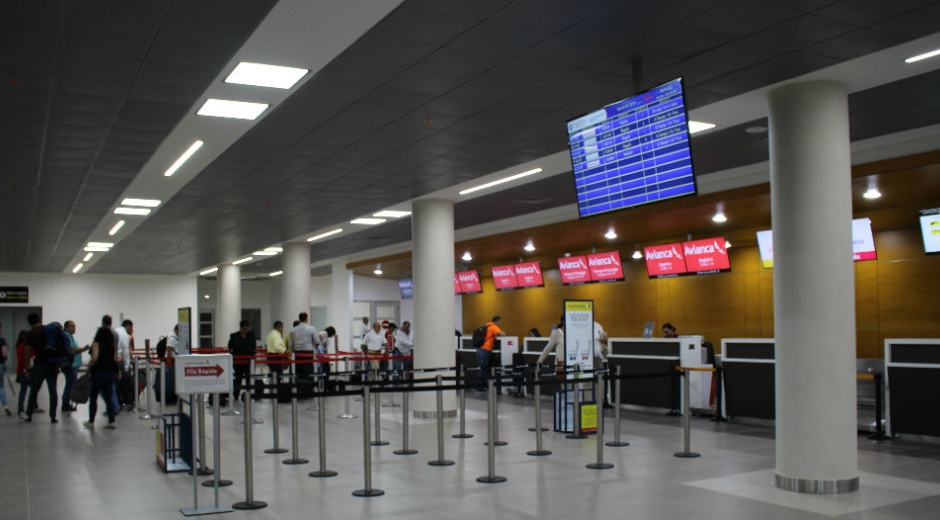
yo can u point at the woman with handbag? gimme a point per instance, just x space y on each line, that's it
103 369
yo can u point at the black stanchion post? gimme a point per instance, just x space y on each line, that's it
674 412
686 419
616 443
719 399
600 464
218 481
405 450
879 434
378 423
250 502
149 389
576 409
368 490
496 408
440 427
201 410
491 476
463 405
295 435
538 452
321 432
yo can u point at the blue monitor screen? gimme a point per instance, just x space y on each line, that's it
406 288
632 152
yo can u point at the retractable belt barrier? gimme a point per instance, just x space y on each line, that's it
687 453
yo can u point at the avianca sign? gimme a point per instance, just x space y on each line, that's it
667 260
605 266
574 269
469 282
529 274
504 277
706 255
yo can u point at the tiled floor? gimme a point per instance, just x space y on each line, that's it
64 471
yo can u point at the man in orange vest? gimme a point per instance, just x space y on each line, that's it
485 353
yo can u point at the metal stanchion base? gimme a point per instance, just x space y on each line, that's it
347 416
497 443
462 435
441 463
536 453
294 462
576 436
378 443
148 416
616 444
257 504
879 437
254 421
405 452
599 465
718 418
276 450
368 493
491 480
205 472
231 412
322 473
689 455
538 429
313 408
222 483
204 510
673 413
391 405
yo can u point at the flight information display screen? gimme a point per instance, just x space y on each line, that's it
632 152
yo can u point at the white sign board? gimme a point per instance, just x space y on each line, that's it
204 374
579 333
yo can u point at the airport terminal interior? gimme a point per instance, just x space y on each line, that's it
623 164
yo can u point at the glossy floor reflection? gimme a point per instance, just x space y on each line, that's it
64 471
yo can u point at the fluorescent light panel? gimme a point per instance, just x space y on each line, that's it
264 253
274 249
208 271
132 211
367 221
101 244
232 109
97 249
243 260
276 273
88 257
183 158
923 56
144 203
117 227
698 126
78 268
501 181
261 75
389 213
324 235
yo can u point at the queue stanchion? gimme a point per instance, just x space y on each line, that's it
491 476
231 396
149 378
879 434
538 451
347 414
251 385
463 405
321 433
368 490
616 443
576 432
162 385
295 436
250 502
496 413
389 376
719 391
405 450
274 420
203 469
217 481
136 385
440 427
686 453
378 422
600 464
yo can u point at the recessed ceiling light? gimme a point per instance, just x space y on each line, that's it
367 221
467 256
872 193
183 158
276 273
232 109
97 249
529 247
756 130
727 244
324 235
78 268
261 75
501 181
243 260
117 227
637 254
923 56
720 217
264 253
208 271
611 234
88 257
389 213
132 211
144 203
378 269
274 249
698 126
206 296
101 244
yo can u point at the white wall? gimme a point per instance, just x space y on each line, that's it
149 301
256 294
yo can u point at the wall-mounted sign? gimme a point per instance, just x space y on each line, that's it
574 269
14 294
504 277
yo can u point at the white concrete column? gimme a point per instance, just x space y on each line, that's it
814 294
295 282
228 303
432 231
339 311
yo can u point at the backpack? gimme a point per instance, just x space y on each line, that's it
479 336
161 347
58 345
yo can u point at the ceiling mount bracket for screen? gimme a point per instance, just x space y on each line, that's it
637 65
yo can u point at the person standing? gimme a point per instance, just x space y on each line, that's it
240 345
303 339
404 342
42 370
372 344
71 373
556 344
485 353
4 356
173 343
274 344
103 369
22 362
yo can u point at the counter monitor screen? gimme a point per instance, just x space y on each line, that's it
406 288
529 274
605 267
574 270
632 152
706 256
469 282
930 229
504 277
863 243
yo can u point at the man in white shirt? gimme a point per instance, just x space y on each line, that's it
373 343
303 339
173 343
125 342
404 343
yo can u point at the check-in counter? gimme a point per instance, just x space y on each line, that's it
749 378
531 350
650 364
912 382
502 353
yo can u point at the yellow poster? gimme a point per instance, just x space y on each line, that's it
576 305
589 418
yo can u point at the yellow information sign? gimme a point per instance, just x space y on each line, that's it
576 305
589 418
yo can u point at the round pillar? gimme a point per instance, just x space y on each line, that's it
814 293
295 282
228 303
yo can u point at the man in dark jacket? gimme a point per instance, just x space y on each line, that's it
42 371
242 343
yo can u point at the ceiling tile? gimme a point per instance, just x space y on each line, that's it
498 39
